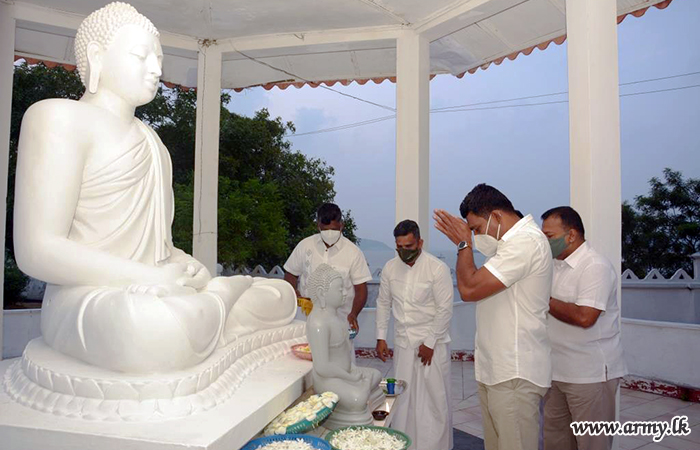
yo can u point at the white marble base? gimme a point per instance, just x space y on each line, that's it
262 395
51 382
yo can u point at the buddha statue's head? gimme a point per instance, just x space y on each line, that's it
325 287
118 50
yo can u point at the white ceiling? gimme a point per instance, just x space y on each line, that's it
465 34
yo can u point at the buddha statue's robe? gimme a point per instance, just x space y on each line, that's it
126 208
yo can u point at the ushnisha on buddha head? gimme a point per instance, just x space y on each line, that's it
118 53
325 286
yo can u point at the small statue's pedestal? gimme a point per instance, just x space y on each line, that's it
387 405
265 393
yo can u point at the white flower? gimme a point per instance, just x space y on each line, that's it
308 410
366 439
297 444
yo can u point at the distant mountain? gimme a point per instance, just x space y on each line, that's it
370 244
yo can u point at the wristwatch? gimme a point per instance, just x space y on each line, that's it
462 245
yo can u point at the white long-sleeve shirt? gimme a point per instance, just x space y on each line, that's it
420 298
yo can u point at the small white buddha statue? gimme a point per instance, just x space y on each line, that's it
93 215
330 348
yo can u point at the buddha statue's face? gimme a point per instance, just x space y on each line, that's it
131 65
334 296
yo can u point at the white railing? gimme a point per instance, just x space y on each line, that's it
676 299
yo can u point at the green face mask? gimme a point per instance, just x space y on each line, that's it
558 245
407 255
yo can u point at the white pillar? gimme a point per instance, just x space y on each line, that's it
412 131
594 125
594 122
7 52
206 165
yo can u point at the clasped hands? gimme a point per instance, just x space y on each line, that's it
182 275
456 229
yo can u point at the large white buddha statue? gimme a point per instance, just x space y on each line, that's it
93 215
357 387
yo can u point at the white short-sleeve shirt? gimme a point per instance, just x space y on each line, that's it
587 355
344 256
511 326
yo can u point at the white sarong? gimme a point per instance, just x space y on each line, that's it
424 411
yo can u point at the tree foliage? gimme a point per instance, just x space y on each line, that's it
662 229
268 193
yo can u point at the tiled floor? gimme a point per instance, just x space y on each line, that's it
635 406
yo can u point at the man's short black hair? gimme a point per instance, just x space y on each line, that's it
569 218
407 227
328 212
483 199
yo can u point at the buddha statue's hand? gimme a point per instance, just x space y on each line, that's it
173 274
197 274
355 376
200 275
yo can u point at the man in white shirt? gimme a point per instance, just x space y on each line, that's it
512 360
584 329
329 246
417 287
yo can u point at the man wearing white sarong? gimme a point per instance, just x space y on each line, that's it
417 287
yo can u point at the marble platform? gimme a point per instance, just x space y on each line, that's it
263 394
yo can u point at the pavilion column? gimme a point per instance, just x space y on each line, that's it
594 122
594 127
412 130
206 166
7 51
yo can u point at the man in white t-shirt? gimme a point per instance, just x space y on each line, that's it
329 246
584 328
512 350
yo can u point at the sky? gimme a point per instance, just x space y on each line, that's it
522 151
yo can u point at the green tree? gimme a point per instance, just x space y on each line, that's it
662 229
250 219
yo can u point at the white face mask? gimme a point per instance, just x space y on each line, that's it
330 237
486 244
